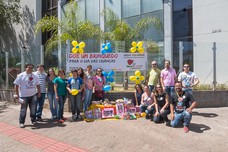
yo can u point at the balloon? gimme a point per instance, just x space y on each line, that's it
107 88
78 47
108 76
137 47
74 92
74 43
137 77
106 48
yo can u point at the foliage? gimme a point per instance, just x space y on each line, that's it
10 11
72 27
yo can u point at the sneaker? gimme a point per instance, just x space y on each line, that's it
34 123
22 125
79 117
186 130
60 121
167 123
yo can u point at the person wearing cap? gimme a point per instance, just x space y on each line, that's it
75 83
40 73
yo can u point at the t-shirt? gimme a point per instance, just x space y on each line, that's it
50 85
61 88
89 81
168 76
99 81
42 81
75 83
161 100
147 100
187 79
27 84
183 102
154 75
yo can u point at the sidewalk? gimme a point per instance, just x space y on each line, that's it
208 132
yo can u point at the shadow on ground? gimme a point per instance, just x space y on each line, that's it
198 128
46 123
207 115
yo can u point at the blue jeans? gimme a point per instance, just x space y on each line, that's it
185 116
75 104
151 87
169 90
162 116
143 108
61 102
31 101
40 105
53 104
87 100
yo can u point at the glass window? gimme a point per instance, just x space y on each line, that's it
153 33
151 5
114 5
92 11
131 8
81 9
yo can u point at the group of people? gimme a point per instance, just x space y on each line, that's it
31 89
164 93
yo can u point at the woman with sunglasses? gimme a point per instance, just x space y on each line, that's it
99 82
161 100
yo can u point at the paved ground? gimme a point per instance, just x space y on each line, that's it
208 132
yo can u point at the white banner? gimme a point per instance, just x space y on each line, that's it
109 61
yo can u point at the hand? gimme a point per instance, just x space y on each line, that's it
39 95
172 116
189 110
156 114
57 97
162 111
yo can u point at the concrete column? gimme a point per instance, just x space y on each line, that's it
7 69
181 50
59 33
41 54
168 29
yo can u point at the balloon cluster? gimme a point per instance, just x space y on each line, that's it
109 78
78 47
137 78
106 48
136 47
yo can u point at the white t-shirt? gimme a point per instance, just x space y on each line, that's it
187 79
27 84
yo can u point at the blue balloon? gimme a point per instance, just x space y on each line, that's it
106 48
107 88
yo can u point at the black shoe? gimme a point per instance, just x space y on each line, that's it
39 119
34 123
167 123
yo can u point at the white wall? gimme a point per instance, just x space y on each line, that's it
210 24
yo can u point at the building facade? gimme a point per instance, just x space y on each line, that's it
191 29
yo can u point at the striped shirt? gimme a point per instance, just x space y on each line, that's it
42 81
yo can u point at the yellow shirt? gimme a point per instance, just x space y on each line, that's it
154 76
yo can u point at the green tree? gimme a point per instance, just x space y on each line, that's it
72 26
10 11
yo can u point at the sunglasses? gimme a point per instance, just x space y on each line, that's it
154 64
158 87
186 66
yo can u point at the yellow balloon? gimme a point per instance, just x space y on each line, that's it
132 78
137 81
74 43
71 74
134 43
137 73
74 92
141 50
141 78
132 50
139 43
81 51
74 50
82 44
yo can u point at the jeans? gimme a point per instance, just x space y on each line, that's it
151 87
31 101
162 116
143 108
53 104
169 90
39 105
75 103
186 116
87 100
61 101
